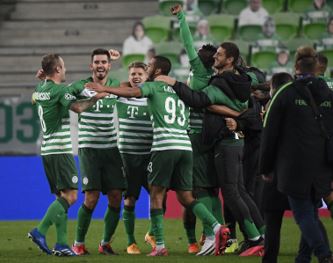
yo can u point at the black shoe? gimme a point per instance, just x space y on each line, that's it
246 244
327 260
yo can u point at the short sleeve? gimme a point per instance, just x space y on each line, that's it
68 95
146 90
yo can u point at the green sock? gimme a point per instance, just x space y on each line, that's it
111 219
83 221
57 207
207 202
129 222
217 209
156 217
61 228
203 214
250 229
262 230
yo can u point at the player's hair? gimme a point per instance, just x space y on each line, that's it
100 51
322 63
306 59
231 50
163 64
137 64
206 53
279 79
49 63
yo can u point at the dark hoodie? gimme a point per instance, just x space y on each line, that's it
235 86
293 146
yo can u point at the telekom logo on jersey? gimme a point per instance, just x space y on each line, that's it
132 111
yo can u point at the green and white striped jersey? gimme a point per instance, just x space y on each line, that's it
53 102
96 124
169 115
135 126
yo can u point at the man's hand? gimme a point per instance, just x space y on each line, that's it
100 95
231 124
95 86
114 54
168 80
40 74
176 9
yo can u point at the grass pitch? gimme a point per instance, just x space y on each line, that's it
16 247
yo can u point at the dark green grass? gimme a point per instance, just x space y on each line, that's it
16 247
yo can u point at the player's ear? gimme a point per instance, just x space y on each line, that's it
158 71
58 69
91 66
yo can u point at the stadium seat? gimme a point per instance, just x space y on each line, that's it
273 6
221 26
120 74
244 48
157 27
250 32
295 43
263 59
234 7
165 5
129 58
171 50
314 30
299 6
208 7
287 25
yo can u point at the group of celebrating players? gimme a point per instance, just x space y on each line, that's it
169 136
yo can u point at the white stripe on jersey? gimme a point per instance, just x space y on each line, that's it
169 130
97 115
57 134
171 141
172 147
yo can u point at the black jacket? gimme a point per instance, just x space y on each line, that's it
235 86
292 145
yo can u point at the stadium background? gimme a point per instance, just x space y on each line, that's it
72 28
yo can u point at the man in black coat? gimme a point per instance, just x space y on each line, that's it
294 149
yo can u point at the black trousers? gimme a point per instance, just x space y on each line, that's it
273 222
228 163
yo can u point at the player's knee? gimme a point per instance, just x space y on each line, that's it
130 201
70 196
114 198
185 198
91 199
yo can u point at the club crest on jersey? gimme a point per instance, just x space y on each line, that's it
69 97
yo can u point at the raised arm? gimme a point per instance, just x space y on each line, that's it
123 91
185 33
